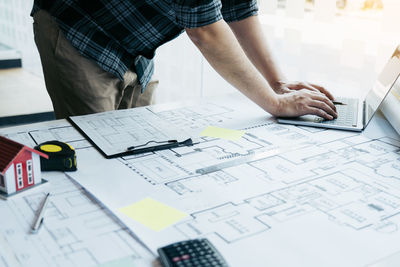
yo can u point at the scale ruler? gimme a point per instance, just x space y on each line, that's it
246 159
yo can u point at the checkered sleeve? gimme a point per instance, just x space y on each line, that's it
193 14
235 10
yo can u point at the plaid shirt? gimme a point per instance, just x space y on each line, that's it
123 34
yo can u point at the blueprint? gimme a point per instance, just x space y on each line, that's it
77 231
335 201
330 198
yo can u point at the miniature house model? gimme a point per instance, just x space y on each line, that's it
19 166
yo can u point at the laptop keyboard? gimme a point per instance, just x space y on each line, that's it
347 114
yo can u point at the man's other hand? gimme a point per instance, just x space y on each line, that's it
298 102
283 87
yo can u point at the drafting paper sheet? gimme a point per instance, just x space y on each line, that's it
76 231
335 202
114 131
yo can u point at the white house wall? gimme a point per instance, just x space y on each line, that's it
9 179
37 176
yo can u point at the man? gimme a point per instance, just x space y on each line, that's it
97 55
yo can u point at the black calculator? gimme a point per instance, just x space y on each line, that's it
194 253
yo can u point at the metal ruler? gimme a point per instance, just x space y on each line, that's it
246 159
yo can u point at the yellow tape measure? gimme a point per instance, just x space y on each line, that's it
62 156
50 148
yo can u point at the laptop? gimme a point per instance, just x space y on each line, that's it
354 114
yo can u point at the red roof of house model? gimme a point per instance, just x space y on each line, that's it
9 150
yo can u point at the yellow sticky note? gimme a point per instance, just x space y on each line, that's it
153 214
223 133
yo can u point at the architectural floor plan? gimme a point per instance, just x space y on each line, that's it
77 231
330 198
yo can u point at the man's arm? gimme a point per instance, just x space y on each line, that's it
251 37
222 50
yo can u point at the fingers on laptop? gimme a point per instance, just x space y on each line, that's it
312 87
288 87
321 97
323 90
324 110
321 113
320 105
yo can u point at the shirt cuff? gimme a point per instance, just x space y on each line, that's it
235 10
194 14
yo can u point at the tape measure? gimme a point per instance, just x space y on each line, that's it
62 156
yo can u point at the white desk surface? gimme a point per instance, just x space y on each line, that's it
22 93
78 231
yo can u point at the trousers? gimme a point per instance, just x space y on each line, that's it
77 85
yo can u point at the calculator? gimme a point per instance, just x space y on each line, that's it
193 253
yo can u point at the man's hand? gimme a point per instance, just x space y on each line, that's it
283 87
304 101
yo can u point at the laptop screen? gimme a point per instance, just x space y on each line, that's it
383 85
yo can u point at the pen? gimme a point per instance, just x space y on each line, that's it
157 142
339 103
39 217
171 144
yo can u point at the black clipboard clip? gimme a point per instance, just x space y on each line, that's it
132 150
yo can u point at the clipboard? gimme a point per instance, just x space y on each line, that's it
122 143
